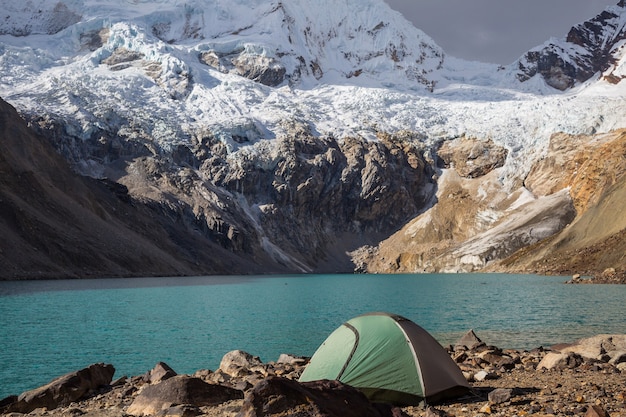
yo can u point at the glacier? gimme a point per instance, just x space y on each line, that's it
413 86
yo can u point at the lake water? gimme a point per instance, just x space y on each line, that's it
49 328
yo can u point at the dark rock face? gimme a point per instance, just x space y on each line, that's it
65 389
296 203
262 69
49 20
588 48
280 396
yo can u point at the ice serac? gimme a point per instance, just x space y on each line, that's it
591 47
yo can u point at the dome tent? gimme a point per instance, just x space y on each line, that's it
390 359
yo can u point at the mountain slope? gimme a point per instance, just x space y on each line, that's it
55 224
595 241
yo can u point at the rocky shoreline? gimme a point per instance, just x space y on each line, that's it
586 378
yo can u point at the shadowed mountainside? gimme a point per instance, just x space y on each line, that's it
56 224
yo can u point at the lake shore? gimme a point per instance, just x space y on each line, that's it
586 378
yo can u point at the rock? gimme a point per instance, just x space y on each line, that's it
471 157
484 375
459 357
596 346
65 389
180 411
618 357
285 358
486 409
500 395
180 390
434 412
491 357
276 396
236 361
468 341
159 373
262 69
506 363
596 411
554 360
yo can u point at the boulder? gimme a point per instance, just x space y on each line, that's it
159 373
65 389
555 360
236 362
468 341
180 390
500 395
596 346
288 359
277 396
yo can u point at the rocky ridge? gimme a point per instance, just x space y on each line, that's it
560 221
589 48
582 378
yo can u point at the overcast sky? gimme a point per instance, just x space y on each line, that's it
497 31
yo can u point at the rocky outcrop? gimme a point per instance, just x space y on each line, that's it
471 157
474 221
260 68
590 47
556 223
300 200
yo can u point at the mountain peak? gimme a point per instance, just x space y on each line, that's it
589 48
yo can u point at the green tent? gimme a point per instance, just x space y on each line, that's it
390 359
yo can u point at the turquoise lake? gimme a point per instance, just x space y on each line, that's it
49 328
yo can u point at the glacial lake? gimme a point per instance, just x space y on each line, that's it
49 328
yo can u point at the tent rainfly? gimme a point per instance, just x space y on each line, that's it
390 359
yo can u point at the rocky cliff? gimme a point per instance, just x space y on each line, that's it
564 219
301 200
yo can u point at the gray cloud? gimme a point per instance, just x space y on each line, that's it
497 31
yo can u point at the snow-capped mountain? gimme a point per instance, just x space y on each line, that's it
262 117
592 47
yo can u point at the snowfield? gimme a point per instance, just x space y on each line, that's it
351 68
